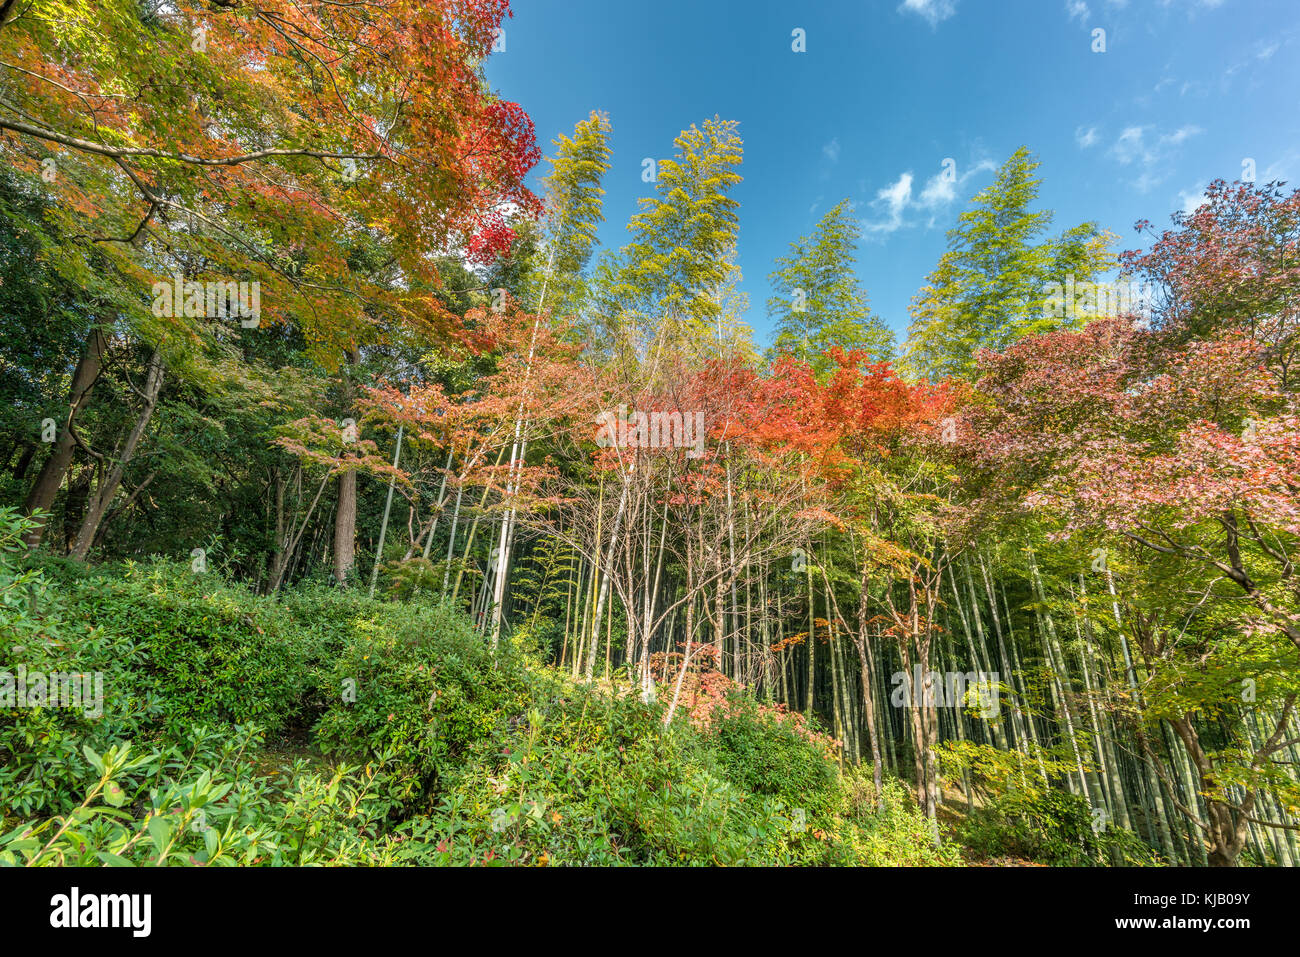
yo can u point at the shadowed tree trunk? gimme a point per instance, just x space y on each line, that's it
112 480
50 478
6 9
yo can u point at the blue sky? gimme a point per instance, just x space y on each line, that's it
887 90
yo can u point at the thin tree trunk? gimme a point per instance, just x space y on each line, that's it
50 478
293 542
388 506
345 513
603 570
113 478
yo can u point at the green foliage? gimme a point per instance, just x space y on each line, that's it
44 318
668 276
41 758
888 830
1024 817
819 303
573 198
988 290
1051 827
424 686
202 803
451 755
207 650
766 756
586 779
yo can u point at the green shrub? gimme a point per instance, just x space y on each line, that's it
208 651
424 685
588 779
41 758
886 830
1050 827
765 755
456 755
200 803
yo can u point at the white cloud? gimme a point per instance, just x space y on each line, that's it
935 11
1192 199
1133 145
1129 146
1264 51
938 191
1086 138
941 190
895 201
1280 168
1152 157
1147 180
1077 10
832 150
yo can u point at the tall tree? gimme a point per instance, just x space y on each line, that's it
819 303
990 288
670 275
265 162
574 212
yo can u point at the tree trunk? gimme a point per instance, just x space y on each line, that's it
388 507
812 637
113 478
50 477
345 514
345 527
603 570
1226 831
866 660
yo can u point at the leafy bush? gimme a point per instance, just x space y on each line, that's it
765 755
1025 818
885 830
456 755
208 651
41 759
137 811
588 779
1051 827
422 684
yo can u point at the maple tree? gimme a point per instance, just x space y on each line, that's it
1178 446
274 141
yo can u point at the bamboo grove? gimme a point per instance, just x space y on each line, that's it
1025 551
